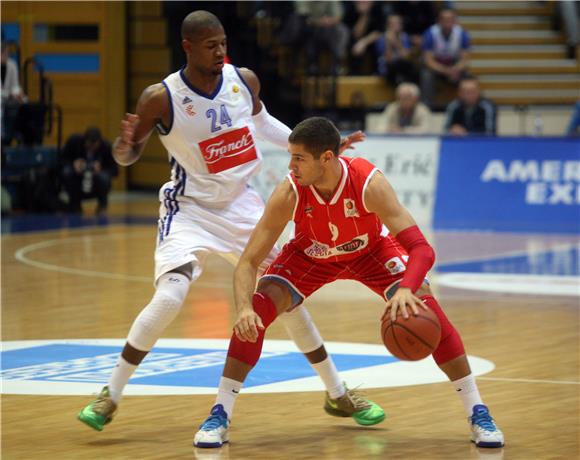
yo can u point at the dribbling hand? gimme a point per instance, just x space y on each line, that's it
247 325
402 299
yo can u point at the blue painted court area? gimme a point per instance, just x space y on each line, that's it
558 262
164 366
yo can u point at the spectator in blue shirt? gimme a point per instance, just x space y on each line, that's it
470 113
445 53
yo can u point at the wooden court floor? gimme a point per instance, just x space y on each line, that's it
91 283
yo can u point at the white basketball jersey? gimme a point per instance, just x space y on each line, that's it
210 139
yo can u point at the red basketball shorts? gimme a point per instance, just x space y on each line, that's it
377 269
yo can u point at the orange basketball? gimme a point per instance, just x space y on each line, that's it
413 338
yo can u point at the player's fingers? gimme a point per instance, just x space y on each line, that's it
238 332
394 311
259 323
414 308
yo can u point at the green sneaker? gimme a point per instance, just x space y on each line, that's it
352 404
100 412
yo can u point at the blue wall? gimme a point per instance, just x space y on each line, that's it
508 184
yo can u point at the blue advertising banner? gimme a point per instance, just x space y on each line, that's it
509 184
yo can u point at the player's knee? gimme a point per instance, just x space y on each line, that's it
160 312
278 293
302 329
449 348
249 352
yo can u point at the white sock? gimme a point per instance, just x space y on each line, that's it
227 393
329 375
119 378
468 392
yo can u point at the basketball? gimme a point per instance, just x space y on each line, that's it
413 338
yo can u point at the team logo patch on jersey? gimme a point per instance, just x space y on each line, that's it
350 208
189 110
395 265
308 210
228 150
236 89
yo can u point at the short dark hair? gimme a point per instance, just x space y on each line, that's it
197 21
317 135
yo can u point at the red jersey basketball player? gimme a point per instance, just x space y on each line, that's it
342 208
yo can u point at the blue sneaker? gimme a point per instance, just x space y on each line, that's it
484 432
214 431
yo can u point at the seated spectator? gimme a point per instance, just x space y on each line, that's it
324 30
574 125
393 49
417 16
407 115
12 95
470 113
445 53
87 170
365 20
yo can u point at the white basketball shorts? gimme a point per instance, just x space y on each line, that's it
188 231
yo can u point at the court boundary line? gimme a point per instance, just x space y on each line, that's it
20 255
516 380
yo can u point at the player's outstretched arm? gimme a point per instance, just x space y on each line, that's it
152 107
273 130
278 212
381 199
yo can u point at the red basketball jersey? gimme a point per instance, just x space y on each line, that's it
341 228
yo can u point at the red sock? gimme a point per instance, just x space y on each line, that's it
450 346
249 352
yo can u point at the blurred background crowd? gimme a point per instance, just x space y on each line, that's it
387 67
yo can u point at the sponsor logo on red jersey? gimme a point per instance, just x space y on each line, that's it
229 150
318 250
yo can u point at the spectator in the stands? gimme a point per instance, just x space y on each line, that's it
365 20
470 113
407 114
324 31
393 51
417 16
574 125
12 95
445 53
88 167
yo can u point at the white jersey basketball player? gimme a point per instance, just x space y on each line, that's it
208 116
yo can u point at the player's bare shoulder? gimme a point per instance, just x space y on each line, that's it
154 100
251 79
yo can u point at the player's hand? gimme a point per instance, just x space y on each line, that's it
247 325
353 138
401 301
125 141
